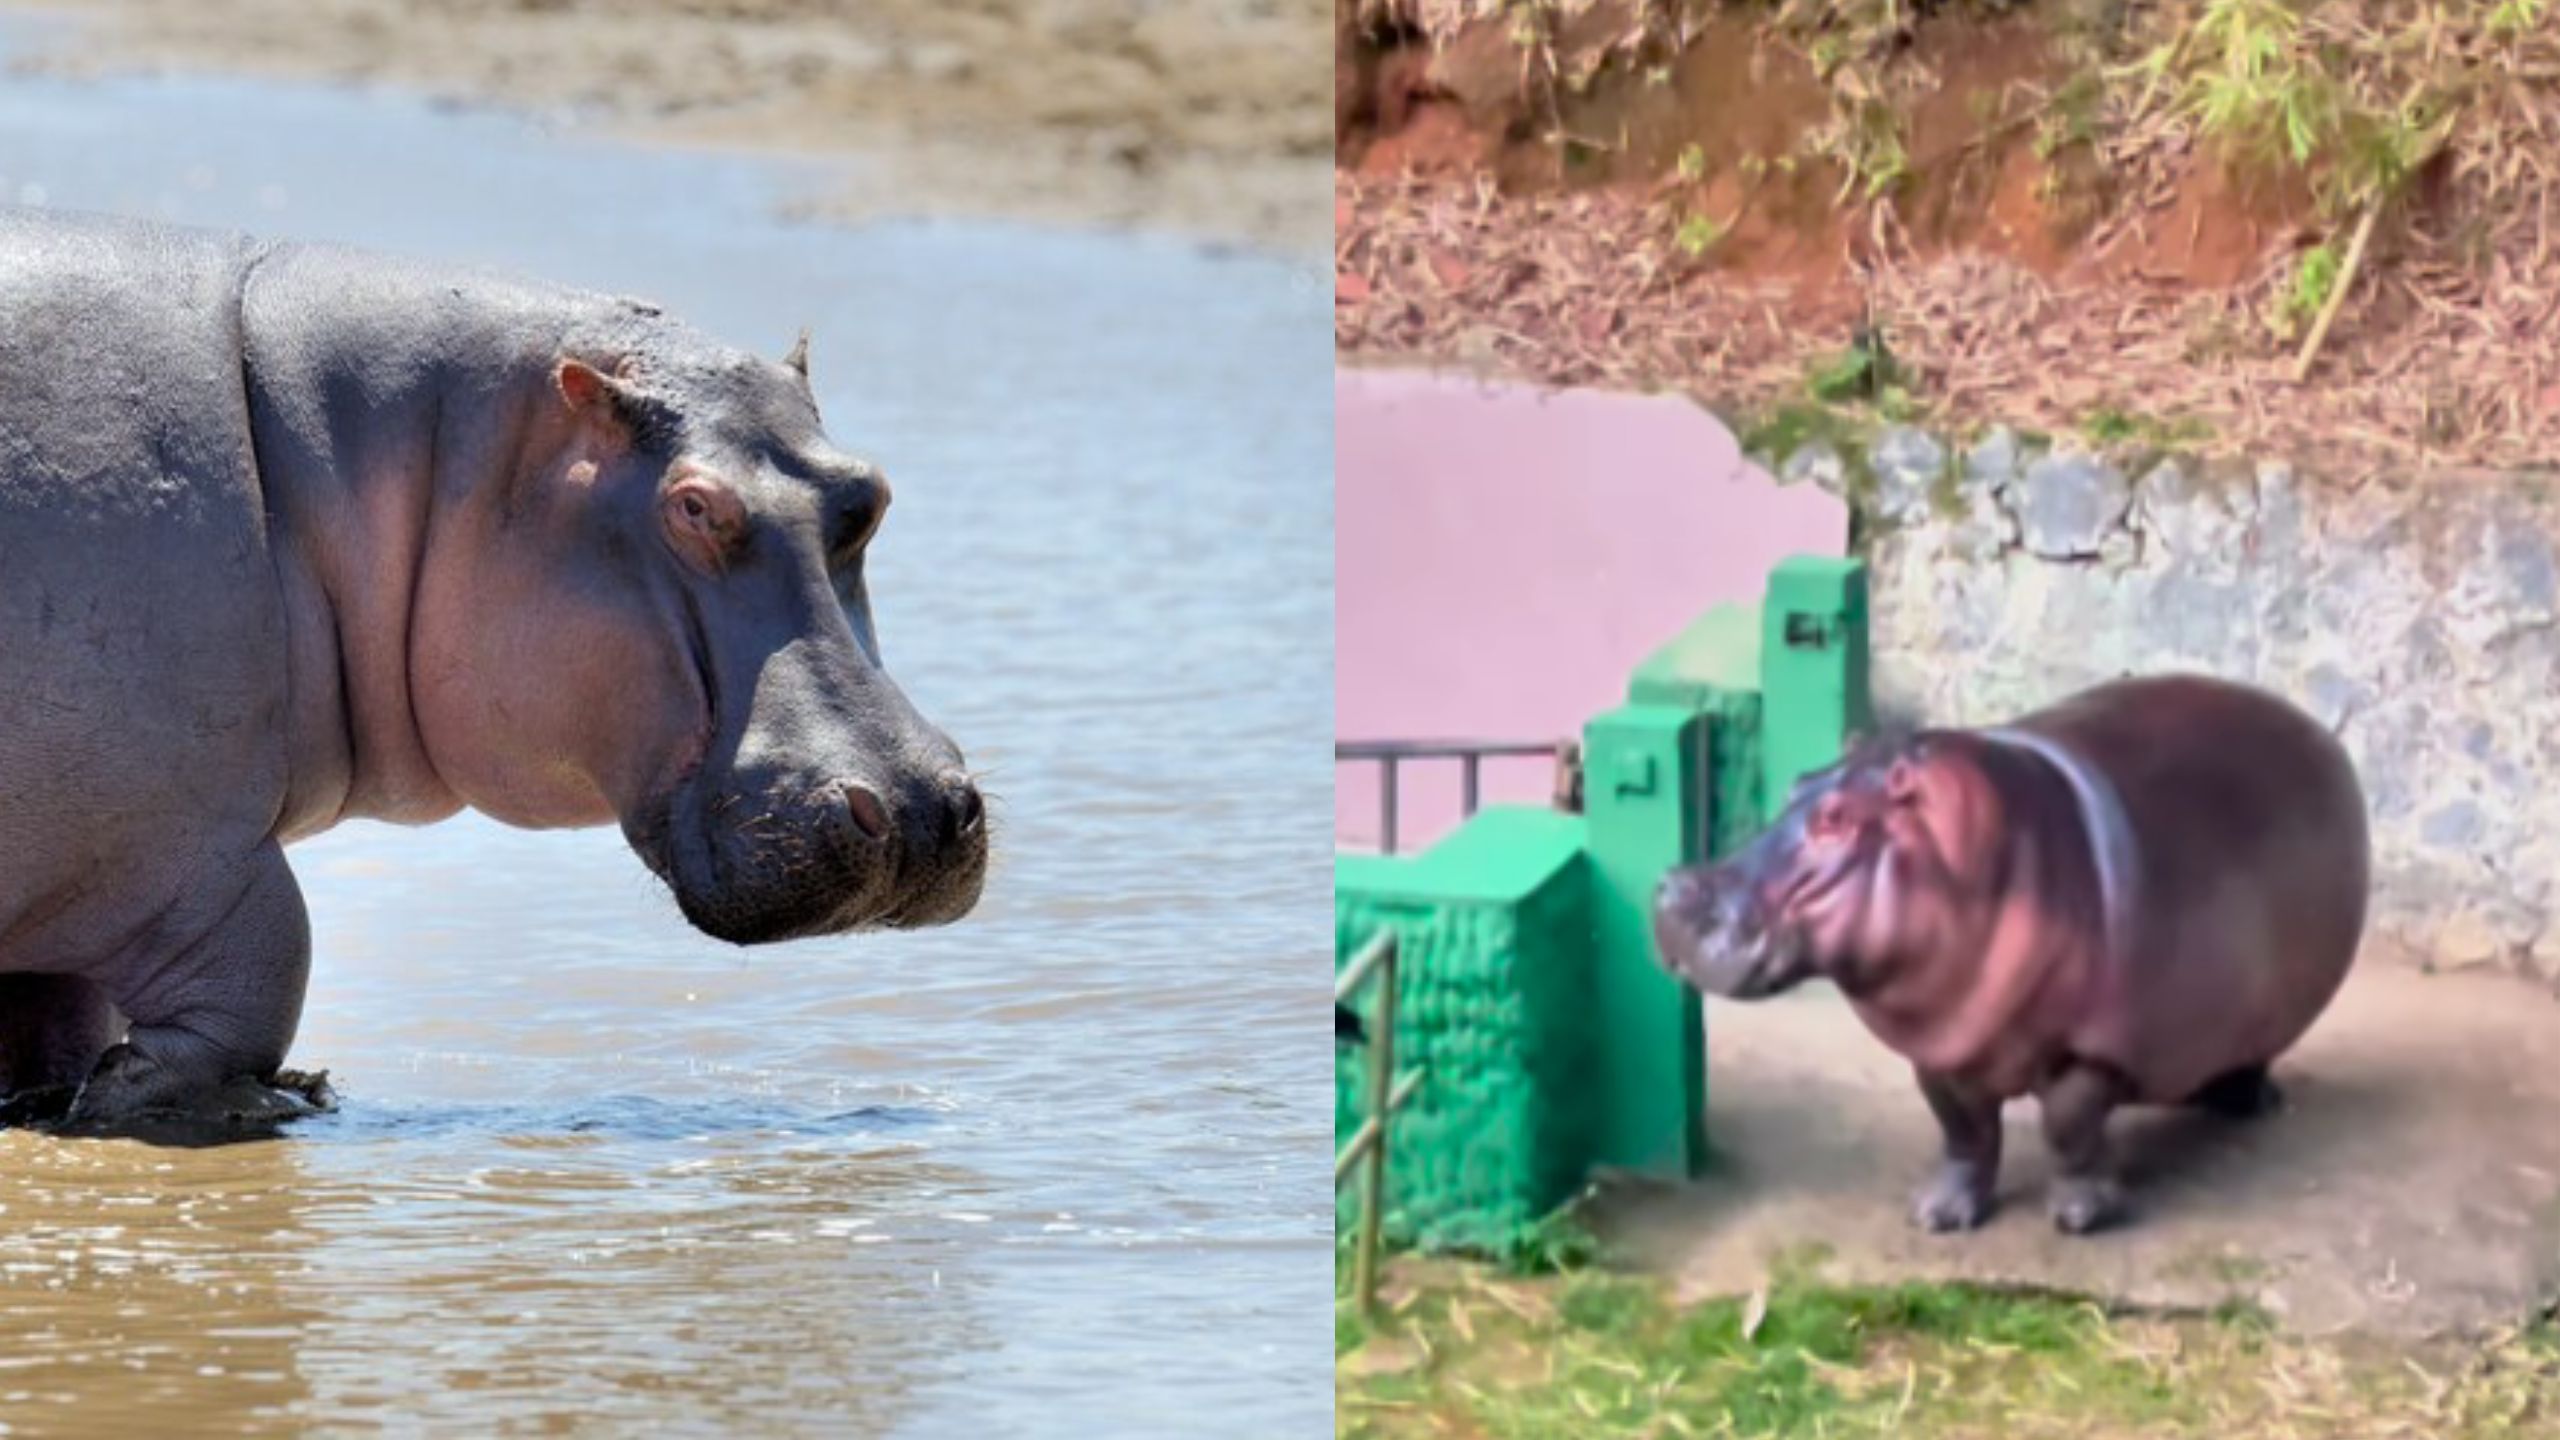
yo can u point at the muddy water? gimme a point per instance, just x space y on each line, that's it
1056 1170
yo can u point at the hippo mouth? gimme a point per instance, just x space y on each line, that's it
810 798
1767 964
779 874
1709 943
783 875
654 833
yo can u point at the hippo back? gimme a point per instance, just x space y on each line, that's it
2252 864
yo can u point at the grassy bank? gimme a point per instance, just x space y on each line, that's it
1467 1351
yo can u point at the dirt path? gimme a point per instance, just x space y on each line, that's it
1204 117
2411 1185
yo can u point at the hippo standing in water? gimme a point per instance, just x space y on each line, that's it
293 535
2141 895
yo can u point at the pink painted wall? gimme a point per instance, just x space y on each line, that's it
1504 556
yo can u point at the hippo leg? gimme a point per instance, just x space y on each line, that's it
2084 1194
212 1021
53 1028
2242 1094
1958 1195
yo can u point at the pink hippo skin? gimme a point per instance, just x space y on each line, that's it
2141 895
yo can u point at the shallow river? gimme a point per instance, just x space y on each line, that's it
1056 1170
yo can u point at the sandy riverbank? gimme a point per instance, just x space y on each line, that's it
1205 117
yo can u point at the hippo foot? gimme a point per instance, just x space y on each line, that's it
37 1105
1952 1200
2080 1204
133 1096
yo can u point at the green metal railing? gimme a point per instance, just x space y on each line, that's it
1387 1094
1555 1043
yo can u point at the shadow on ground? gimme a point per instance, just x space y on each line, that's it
2410 1185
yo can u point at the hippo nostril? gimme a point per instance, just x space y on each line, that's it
968 808
869 815
1678 891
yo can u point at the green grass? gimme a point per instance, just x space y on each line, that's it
2110 426
1696 235
1556 1245
2512 18
2315 279
1784 429
1467 1351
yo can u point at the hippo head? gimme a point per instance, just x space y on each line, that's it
663 622
1852 878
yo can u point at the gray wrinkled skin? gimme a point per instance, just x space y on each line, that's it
290 535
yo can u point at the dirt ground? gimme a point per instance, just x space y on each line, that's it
2037 238
2410 1187
1204 117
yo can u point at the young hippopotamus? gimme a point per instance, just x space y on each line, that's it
2141 895
291 535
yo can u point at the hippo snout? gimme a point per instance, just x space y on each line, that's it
949 812
1707 932
755 856
1683 911
927 840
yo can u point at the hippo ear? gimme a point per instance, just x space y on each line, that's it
798 359
583 387
615 402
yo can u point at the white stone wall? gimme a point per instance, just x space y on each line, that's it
2420 618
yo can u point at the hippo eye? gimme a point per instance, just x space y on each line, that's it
693 507
1831 813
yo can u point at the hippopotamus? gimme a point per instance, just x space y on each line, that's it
2140 895
293 534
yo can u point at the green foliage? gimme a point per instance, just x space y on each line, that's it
1607 1304
1866 138
2513 18
1612 1356
1693 163
1350 1332
1851 375
2108 425
2268 91
1555 1245
1863 371
1787 428
2244 1316
1697 235
2256 91
2072 116
2315 279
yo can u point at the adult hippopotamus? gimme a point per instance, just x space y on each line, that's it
2141 895
291 535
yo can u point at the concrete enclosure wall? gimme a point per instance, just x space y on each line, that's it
2420 618
1505 555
